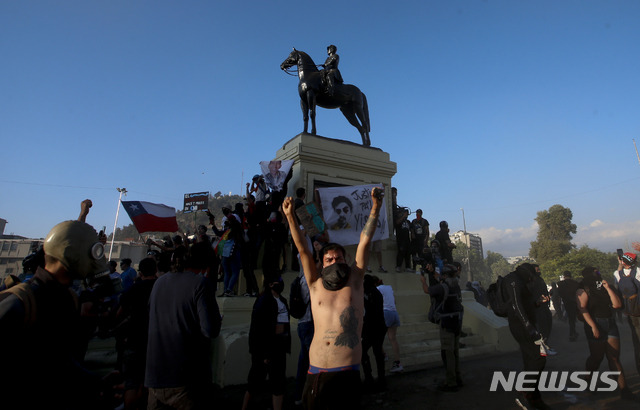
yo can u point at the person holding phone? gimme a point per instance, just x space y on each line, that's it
596 301
627 282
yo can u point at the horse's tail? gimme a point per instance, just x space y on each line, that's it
365 109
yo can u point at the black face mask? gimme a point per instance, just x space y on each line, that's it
335 276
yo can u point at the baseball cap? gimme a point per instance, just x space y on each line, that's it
629 259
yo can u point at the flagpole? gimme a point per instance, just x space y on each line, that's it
115 224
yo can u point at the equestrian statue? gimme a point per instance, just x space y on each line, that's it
326 89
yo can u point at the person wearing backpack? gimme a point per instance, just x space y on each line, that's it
627 281
518 289
41 319
448 303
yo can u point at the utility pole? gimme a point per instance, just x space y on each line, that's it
634 144
123 191
468 244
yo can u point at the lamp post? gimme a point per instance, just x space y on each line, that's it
468 243
123 191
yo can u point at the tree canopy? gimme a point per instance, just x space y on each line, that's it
555 231
578 259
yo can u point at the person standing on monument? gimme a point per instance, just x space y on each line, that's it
337 299
419 236
331 74
446 246
402 228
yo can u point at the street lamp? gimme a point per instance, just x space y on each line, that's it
123 191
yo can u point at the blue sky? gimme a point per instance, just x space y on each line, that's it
503 108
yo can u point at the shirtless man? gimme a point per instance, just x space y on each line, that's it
337 300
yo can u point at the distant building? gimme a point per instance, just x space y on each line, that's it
514 260
13 250
472 241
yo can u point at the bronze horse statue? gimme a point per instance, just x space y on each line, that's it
351 101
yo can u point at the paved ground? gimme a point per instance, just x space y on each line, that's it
417 390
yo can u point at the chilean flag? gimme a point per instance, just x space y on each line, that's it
151 217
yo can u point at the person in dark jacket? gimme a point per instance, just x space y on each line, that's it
519 289
269 343
567 289
544 318
374 330
450 323
133 316
41 319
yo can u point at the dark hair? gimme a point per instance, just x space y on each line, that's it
444 224
332 246
126 261
148 267
34 260
566 274
450 270
300 192
341 198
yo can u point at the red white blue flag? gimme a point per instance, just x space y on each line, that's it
149 217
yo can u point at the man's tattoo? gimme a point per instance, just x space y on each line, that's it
370 227
349 336
330 334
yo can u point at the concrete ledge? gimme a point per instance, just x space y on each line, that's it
493 329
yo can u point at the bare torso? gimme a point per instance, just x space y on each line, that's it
338 323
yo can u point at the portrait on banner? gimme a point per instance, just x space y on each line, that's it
275 172
346 210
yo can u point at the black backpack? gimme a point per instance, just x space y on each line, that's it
436 309
496 299
297 305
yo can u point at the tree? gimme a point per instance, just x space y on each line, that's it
498 265
554 234
476 263
578 259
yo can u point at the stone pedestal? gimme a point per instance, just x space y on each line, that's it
320 162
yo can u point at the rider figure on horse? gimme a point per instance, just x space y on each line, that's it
331 74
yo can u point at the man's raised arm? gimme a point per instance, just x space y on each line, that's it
366 236
306 257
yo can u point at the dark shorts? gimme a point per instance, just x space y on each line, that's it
331 389
607 327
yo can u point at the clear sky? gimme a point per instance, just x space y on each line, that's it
503 108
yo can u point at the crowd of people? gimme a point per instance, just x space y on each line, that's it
165 314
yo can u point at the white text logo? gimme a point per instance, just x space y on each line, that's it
555 381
